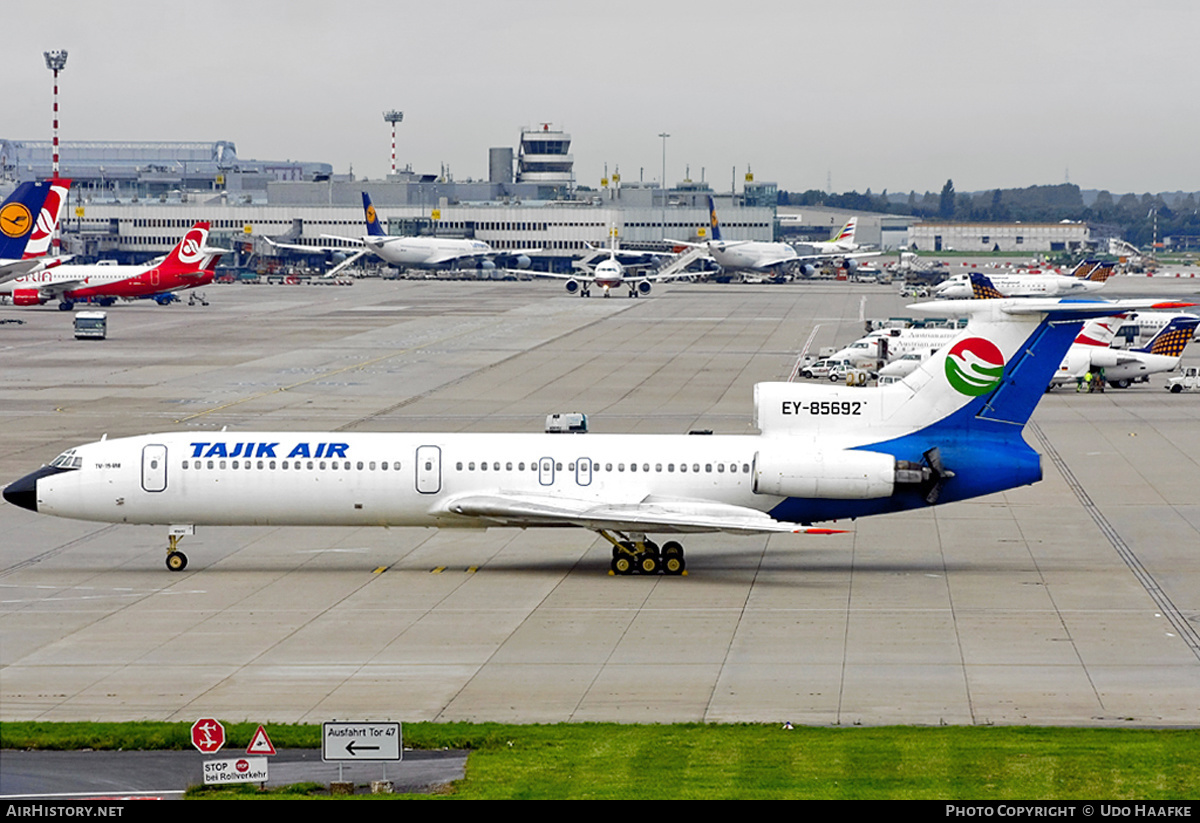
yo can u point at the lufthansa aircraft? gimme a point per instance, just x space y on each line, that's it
760 256
1088 276
949 431
413 252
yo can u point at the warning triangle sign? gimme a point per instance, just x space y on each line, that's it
260 743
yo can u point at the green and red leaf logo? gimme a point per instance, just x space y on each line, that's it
974 366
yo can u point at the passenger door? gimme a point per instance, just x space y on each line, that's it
429 469
154 468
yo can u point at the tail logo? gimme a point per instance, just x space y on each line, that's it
974 366
15 220
370 214
191 249
48 218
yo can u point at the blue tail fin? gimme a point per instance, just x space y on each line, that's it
715 225
373 227
18 218
982 287
1173 338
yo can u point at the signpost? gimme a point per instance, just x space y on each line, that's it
237 770
208 735
361 742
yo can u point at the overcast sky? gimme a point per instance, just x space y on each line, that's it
880 94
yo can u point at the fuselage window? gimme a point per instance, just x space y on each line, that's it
310 465
695 467
483 466
745 468
683 467
360 465
658 467
222 464
670 467
272 464
608 467
458 466
260 464
185 464
396 465
708 468
558 467
633 467
333 465
495 466
210 464
322 466
620 467
645 467
521 466
508 467
384 465
236 465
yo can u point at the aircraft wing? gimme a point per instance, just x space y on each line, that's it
12 269
650 514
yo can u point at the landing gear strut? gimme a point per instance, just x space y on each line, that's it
641 556
176 560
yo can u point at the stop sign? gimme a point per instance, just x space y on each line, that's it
208 735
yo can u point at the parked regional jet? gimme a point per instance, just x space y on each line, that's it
949 431
415 252
760 256
24 237
1088 276
1123 367
187 265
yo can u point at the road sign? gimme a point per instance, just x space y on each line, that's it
361 742
260 743
237 770
208 735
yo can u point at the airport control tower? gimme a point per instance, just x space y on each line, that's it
545 158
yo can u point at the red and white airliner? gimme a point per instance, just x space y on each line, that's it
188 265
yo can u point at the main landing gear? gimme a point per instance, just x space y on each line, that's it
176 560
642 556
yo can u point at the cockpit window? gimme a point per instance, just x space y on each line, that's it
67 460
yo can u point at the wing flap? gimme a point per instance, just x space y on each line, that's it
650 514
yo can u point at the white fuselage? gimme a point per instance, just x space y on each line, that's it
752 255
385 479
1020 285
1118 365
425 252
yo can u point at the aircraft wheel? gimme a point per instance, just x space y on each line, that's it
66 305
648 564
176 561
673 565
622 565
1121 384
672 549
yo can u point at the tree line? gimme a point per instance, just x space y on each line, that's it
1129 216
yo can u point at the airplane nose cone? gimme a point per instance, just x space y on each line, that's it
23 492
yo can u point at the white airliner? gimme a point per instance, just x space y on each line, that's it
187 265
415 252
602 270
760 256
1123 367
1088 276
949 431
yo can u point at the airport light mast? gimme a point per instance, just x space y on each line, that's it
56 61
664 137
393 116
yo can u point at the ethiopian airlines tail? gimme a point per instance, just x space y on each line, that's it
373 227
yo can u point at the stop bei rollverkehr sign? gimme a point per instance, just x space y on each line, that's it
208 735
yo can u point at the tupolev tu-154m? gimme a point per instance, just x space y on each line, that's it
949 431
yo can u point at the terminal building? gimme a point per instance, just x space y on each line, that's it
132 201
